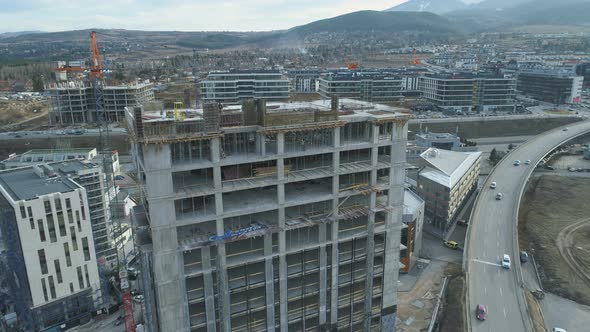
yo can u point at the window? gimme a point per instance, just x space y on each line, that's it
57 204
85 248
44 289
71 287
82 209
42 261
51 287
79 225
41 230
77 217
67 253
47 206
87 276
31 220
51 228
61 223
68 203
80 278
23 214
58 271
74 240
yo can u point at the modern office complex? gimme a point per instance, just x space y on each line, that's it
367 86
49 265
303 80
551 86
83 166
278 217
445 181
233 87
469 92
74 102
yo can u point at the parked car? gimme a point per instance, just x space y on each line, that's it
524 257
481 312
138 298
493 185
462 222
506 261
119 177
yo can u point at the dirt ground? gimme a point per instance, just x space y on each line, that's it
17 111
454 304
536 313
550 205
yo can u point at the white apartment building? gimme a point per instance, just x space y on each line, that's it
48 235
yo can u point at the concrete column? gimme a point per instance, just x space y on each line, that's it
280 143
215 149
375 134
261 139
323 276
269 283
334 285
284 317
280 169
217 178
223 289
208 288
337 137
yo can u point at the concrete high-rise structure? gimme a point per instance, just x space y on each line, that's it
281 217
304 80
74 102
233 87
551 86
367 86
445 181
467 92
49 263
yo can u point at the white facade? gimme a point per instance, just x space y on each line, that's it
576 95
57 243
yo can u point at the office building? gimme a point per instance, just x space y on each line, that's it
233 87
278 217
304 80
465 92
49 263
366 86
551 86
446 180
74 102
83 166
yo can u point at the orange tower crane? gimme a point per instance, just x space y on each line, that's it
415 61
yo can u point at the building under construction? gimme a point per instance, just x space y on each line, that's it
75 103
272 217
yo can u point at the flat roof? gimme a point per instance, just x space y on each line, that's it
447 167
412 201
25 184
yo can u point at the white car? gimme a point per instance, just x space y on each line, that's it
516 162
138 298
499 196
506 261
493 185
528 162
558 329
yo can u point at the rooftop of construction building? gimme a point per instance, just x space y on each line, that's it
86 85
31 182
349 109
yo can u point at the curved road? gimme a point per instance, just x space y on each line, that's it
493 233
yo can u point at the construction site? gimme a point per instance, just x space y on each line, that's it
279 216
74 102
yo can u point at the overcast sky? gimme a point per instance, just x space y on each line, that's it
183 15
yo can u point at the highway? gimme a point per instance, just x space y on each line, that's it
493 232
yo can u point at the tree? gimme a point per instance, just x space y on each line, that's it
38 83
494 155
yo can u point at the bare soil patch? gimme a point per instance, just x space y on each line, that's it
536 313
454 302
550 205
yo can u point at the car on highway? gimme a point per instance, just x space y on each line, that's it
493 185
506 261
481 312
451 244
517 163
565 129
499 196
528 162
138 298
524 257
558 329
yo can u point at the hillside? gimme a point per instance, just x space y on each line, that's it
432 6
368 20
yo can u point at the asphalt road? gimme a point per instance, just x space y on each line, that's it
493 233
